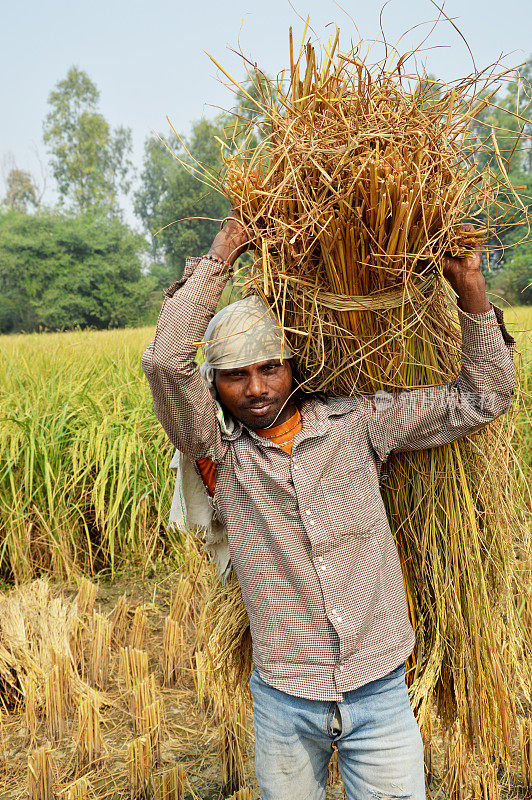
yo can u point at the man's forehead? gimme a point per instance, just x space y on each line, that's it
255 365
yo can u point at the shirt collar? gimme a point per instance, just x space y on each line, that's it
315 417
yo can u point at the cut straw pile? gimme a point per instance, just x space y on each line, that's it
364 174
138 736
356 192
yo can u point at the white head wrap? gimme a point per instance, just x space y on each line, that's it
241 334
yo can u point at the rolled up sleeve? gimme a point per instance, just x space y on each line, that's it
182 401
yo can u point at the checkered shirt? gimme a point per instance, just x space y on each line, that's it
308 534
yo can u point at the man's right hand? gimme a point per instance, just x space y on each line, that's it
233 239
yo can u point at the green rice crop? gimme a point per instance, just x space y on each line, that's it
84 478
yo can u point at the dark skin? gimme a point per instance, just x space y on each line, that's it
259 395
467 280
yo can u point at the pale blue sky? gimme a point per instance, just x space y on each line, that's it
147 58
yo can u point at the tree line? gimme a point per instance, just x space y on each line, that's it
78 263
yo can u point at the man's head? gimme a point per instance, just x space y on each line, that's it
247 363
258 394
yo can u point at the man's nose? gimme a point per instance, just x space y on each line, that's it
256 385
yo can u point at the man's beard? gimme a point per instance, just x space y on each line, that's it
260 421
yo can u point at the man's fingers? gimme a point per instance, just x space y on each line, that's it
234 213
234 216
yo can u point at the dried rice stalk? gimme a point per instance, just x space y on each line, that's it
89 738
77 642
232 733
171 784
152 725
144 694
36 632
63 662
333 770
100 651
41 774
140 768
31 709
182 608
56 694
10 678
35 624
80 789
120 621
132 667
525 751
225 626
86 597
429 732
139 628
201 679
456 766
485 785
173 651
358 179
242 794
3 751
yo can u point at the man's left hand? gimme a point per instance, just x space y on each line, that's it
466 279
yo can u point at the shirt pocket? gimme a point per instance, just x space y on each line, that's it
351 499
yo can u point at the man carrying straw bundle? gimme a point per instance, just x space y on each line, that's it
295 479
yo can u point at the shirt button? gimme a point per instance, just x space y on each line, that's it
320 558
312 522
308 512
333 611
323 567
341 667
339 619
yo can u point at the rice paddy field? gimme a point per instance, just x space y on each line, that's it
106 685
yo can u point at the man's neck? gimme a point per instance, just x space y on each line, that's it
285 414
290 409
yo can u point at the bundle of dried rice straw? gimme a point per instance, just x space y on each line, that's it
362 172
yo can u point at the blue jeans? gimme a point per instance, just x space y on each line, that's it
379 745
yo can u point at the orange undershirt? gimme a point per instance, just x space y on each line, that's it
282 435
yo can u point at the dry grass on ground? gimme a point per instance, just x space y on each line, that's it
107 694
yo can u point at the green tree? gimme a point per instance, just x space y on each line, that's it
21 190
507 148
89 161
175 205
61 271
514 281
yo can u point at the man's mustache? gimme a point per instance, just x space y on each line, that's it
262 402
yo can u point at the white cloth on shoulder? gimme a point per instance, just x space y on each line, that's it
242 333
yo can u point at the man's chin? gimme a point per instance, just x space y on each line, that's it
259 421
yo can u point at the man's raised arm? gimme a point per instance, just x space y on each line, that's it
437 415
181 398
